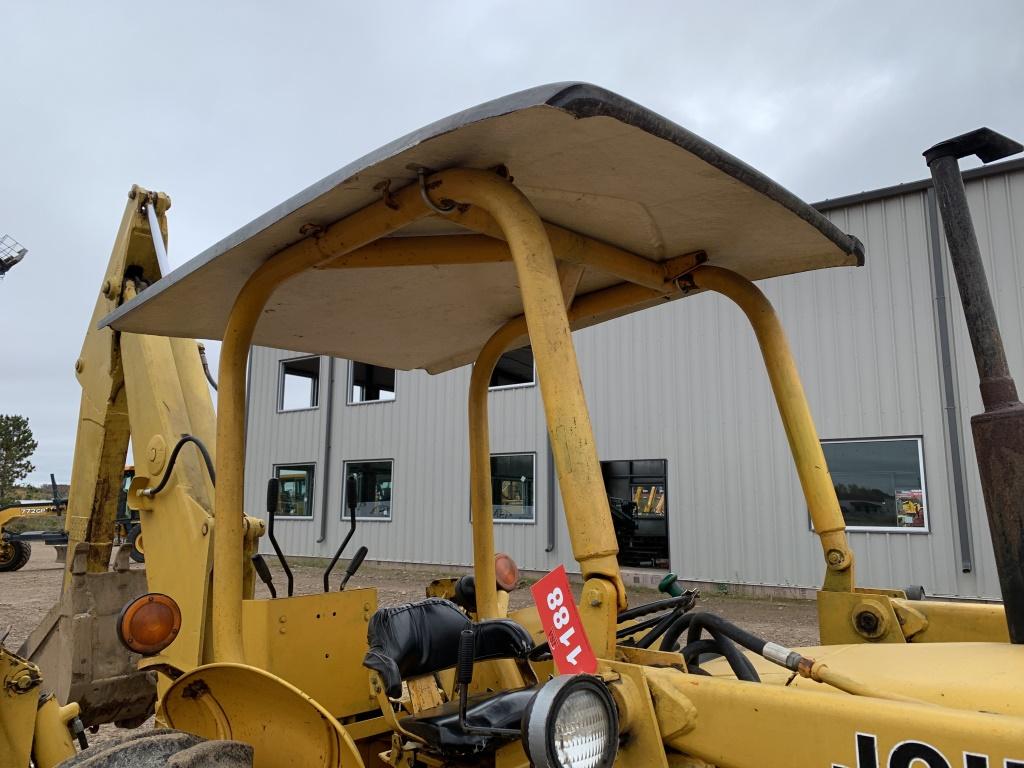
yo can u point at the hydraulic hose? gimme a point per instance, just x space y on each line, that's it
151 492
739 663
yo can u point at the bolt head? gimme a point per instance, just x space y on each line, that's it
79 365
867 622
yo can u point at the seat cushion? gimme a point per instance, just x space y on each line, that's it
439 726
414 639
422 638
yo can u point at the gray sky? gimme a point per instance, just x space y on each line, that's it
232 107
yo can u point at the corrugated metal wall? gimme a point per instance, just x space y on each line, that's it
684 382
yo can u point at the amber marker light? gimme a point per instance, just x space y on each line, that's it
506 572
149 623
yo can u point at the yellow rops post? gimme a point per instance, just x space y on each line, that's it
518 222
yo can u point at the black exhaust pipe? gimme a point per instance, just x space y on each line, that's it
999 431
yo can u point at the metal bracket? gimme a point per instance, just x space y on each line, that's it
446 206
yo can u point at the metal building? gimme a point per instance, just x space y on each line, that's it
691 445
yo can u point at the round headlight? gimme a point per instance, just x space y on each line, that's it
571 723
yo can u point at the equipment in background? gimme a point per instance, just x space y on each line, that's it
11 252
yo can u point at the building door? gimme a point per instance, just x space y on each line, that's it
637 496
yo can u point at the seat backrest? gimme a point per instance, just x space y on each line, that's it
422 638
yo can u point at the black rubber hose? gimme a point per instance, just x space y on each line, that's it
659 629
719 625
693 652
740 664
174 457
657 605
640 626
671 636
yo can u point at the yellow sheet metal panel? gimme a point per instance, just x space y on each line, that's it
316 643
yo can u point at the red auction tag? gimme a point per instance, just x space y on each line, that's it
560 618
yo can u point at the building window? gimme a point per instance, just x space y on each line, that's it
299 384
512 488
295 497
370 384
514 369
372 481
880 483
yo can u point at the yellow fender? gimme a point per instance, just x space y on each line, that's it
285 727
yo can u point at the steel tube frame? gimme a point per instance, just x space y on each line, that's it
568 421
801 433
346 235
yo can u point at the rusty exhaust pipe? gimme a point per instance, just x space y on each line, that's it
999 431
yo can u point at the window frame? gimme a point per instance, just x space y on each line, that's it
312 492
349 381
280 383
533 458
524 385
919 439
344 490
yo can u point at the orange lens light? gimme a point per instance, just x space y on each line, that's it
149 623
506 572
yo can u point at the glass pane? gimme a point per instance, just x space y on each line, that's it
372 483
295 498
512 486
300 384
371 383
880 483
515 367
649 499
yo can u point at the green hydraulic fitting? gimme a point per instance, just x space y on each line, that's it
670 585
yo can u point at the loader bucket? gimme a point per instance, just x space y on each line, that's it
76 645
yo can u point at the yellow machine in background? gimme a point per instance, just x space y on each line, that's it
553 209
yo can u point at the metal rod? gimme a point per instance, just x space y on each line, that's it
999 431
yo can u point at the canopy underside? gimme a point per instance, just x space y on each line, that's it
588 161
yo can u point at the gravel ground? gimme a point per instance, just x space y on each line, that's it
26 595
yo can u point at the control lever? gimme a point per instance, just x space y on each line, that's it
351 501
464 676
273 494
464 671
263 571
353 566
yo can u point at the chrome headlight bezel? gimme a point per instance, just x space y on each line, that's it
543 711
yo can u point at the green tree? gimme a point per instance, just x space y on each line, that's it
16 448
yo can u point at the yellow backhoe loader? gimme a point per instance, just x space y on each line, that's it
515 222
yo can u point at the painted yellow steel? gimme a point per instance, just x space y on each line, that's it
19 699
103 433
751 724
357 230
575 248
481 501
569 429
303 673
284 725
52 743
316 643
796 419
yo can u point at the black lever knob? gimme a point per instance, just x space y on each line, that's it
353 566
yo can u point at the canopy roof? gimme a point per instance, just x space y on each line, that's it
588 160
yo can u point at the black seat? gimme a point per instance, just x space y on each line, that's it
423 638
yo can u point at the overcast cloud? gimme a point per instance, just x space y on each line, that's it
233 107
